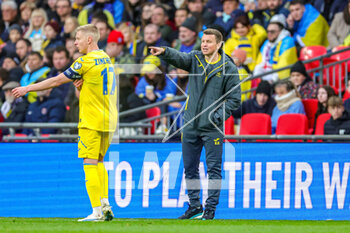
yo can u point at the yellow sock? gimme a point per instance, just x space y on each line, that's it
103 175
93 185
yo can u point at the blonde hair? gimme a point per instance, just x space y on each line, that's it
76 25
127 26
90 30
36 12
29 5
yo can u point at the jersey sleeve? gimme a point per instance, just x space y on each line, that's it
76 70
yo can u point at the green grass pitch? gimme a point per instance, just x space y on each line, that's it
20 225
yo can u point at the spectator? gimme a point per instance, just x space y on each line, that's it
277 51
23 48
246 37
48 108
152 37
36 70
95 8
10 16
35 31
9 48
274 7
26 9
181 15
61 62
70 24
50 9
78 5
159 18
230 12
129 37
323 95
188 39
116 49
261 103
329 8
215 6
239 56
146 14
287 100
64 10
197 6
340 27
132 11
70 46
13 109
53 39
104 30
308 26
72 103
302 81
11 64
4 76
340 119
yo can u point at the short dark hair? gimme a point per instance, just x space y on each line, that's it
295 2
280 26
70 4
243 19
61 49
183 9
215 32
26 41
35 53
4 75
162 7
335 101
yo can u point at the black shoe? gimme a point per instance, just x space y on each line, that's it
208 214
192 213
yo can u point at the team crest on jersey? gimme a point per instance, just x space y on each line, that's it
77 66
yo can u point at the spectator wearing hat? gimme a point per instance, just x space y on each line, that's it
160 17
261 103
104 31
49 107
151 37
303 82
9 17
53 39
274 7
188 39
11 64
9 48
339 123
13 109
230 12
277 51
308 26
247 37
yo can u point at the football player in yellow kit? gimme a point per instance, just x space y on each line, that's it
94 75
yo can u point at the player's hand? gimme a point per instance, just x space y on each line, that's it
78 84
156 51
19 91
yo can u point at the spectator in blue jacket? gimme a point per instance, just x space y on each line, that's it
230 12
274 7
49 107
288 101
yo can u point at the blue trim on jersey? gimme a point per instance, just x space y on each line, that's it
309 17
244 46
71 74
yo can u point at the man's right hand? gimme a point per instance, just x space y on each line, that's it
19 91
156 51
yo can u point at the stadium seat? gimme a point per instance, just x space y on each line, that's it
321 120
310 106
334 75
230 126
153 112
343 55
21 135
292 124
255 124
47 140
310 52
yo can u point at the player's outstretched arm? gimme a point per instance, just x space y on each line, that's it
156 51
46 84
173 57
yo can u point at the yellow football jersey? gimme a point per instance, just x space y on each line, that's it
98 96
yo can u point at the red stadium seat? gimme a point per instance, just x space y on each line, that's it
255 124
343 55
310 106
321 120
334 75
21 135
48 140
230 126
292 124
310 52
153 112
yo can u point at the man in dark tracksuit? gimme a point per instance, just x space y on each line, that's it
212 76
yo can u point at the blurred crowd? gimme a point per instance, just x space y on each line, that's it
37 42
